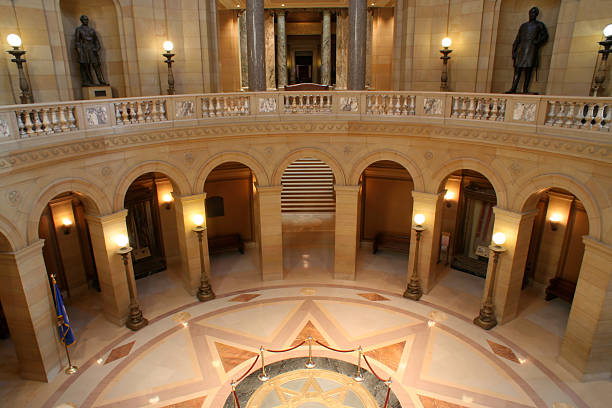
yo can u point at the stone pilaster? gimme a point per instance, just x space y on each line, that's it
357 23
213 35
511 265
326 49
270 52
587 346
244 65
256 45
186 208
271 224
430 205
281 49
341 49
28 307
368 58
345 248
111 272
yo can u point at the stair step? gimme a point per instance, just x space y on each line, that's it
308 186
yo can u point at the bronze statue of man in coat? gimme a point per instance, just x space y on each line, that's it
88 48
531 36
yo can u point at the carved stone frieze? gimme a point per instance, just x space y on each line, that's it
5 132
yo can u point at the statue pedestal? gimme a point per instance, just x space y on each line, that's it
97 92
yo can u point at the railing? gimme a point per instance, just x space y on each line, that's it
529 113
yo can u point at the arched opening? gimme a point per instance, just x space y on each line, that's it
8 355
554 258
308 207
384 223
232 222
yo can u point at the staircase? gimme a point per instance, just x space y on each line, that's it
308 186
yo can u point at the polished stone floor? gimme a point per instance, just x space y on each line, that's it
191 351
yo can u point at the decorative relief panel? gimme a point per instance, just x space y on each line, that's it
432 106
267 105
96 116
185 109
525 112
4 129
349 104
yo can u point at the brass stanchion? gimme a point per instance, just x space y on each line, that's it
235 397
263 376
486 318
414 291
135 319
205 291
358 375
310 363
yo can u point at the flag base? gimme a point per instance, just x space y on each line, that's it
71 369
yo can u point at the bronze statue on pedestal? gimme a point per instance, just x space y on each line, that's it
531 36
88 48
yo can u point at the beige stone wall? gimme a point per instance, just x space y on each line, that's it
229 50
237 208
382 48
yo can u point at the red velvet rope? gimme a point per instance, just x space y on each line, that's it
238 402
333 349
249 370
289 349
386 399
371 369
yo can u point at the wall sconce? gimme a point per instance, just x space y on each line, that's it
167 200
555 220
15 41
448 198
446 42
198 220
600 76
168 47
123 242
66 225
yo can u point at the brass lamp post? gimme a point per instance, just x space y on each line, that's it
15 41
135 320
600 76
414 290
205 291
486 319
446 42
168 47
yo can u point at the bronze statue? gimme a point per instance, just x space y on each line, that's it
88 48
531 36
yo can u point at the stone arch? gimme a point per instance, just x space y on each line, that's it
339 176
177 178
405 161
95 200
224 157
476 165
526 197
10 238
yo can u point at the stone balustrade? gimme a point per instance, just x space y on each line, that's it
527 113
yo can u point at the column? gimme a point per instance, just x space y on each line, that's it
281 50
369 37
186 208
28 307
357 17
111 272
256 45
271 224
342 30
326 49
587 349
430 205
244 66
511 265
270 52
346 239
213 35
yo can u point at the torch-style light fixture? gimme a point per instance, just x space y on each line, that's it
446 42
167 200
414 291
205 291
15 41
448 198
555 220
66 225
600 75
486 319
168 47
135 320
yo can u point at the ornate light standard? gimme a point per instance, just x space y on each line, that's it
446 42
15 41
486 319
600 76
168 47
135 320
205 291
414 291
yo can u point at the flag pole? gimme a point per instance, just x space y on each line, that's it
71 369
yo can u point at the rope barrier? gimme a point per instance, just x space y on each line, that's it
371 369
285 350
333 349
248 371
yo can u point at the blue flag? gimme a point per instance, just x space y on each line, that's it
65 331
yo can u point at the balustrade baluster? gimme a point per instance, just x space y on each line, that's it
569 117
47 121
480 102
590 116
155 111
162 110
118 118
55 121
375 107
63 120
124 113
580 115
20 124
412 106
502 110
494 110
139 111
28 123
471 108
37 123
396 106
607 117
552 108
72 119
598 118
205 107
455 110
559 117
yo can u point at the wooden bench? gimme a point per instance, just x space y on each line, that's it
559 287
222 243
307 87
394 241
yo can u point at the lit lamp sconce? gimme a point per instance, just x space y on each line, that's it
168 47
167 200
66 225
600 76
446 42
15 41
555 220
448 198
